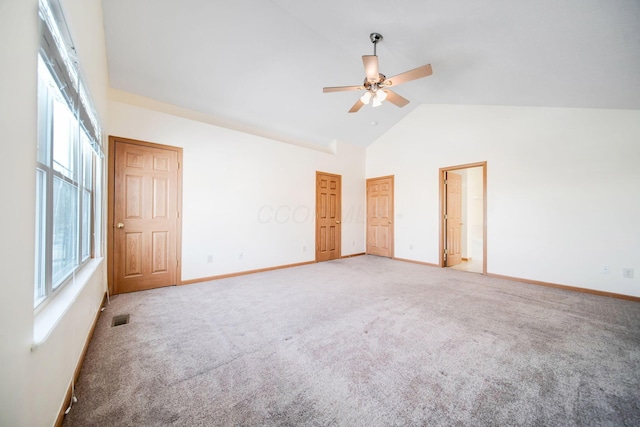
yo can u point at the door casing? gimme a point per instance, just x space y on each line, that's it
441 177
111 175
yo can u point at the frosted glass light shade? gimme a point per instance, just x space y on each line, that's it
366 97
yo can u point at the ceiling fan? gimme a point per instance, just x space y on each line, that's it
377 84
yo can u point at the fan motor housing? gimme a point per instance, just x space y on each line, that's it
381 79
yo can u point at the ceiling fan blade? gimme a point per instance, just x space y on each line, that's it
407 76
358 105
396 99
371 68
341 88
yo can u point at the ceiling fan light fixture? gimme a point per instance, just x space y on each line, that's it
375 83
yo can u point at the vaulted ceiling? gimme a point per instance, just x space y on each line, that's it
261 64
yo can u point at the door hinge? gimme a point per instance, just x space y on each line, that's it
178 165
445 216
177 263
446 251
178 214
445 182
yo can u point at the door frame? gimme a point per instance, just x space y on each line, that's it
317 230
441 177
111 181
392 243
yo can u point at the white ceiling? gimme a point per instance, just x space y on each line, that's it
262 64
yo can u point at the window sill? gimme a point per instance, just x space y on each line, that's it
46 319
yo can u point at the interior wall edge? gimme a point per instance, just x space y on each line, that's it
565 287
244 273
413 261
136 100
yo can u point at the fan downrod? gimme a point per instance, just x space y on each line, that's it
375 38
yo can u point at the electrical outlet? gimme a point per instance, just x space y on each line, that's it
241 255
209 259
304 248
606 269
410 247
627 273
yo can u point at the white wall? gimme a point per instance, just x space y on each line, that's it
562 188
18 47
474 213
247 200
464 235
33 383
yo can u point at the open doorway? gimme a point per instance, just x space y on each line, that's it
463 237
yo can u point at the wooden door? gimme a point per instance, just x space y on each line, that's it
145 215
453 218
380 216
328 214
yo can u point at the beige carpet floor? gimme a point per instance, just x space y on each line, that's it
364 341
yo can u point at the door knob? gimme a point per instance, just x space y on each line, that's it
119 225
389 222
337 222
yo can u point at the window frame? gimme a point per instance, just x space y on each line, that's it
64 87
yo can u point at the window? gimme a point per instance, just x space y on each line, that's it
69 159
